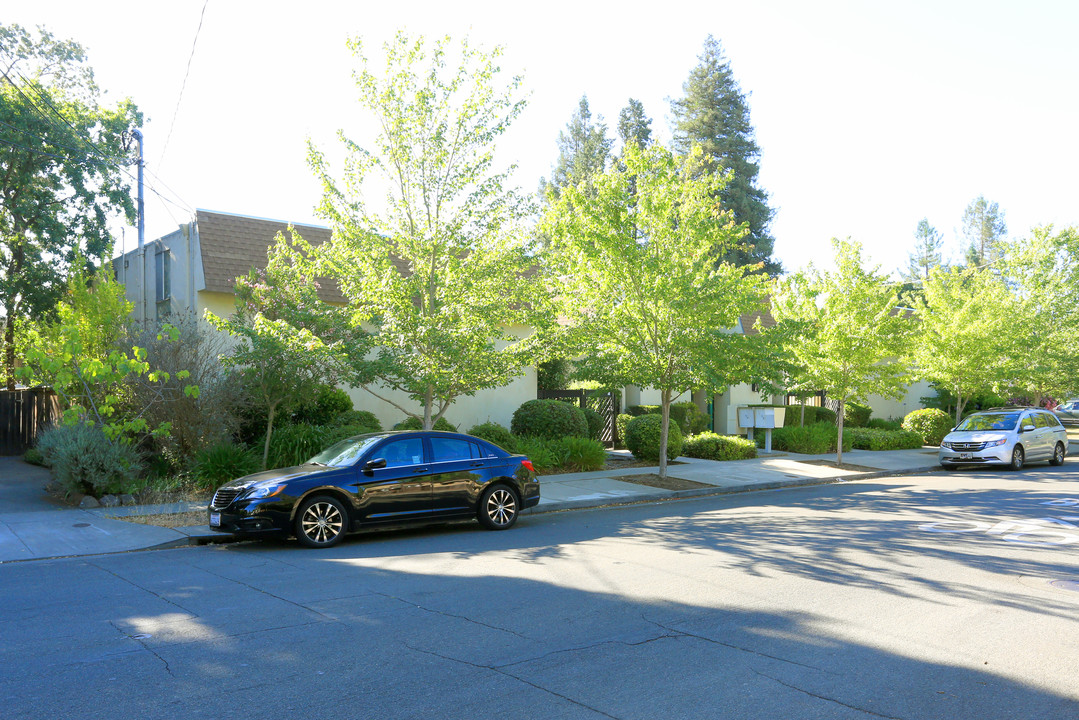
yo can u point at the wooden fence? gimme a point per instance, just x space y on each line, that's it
24 414
607 405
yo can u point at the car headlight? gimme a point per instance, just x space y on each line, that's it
996 443
261 491
945 444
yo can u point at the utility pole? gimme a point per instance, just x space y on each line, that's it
142 233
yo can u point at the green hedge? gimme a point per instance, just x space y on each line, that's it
495 433
690 419
873 439
323 407
620 423
595 423
414 423
710 446
814 415
643 436
549 419
855 415
932 424
882 424
816 439
223 462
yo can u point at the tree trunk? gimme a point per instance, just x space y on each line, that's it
839 435
664 431
960 403
428 400
802 420
269 432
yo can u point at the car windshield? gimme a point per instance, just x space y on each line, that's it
996 421
346 452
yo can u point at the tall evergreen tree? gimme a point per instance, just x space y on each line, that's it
713 113
633 125
583 151
926 253
984 228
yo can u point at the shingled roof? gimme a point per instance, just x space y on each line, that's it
233 244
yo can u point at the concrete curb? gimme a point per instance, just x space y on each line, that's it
707 492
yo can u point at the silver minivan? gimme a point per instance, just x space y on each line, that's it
1005 436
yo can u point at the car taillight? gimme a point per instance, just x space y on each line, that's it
528 464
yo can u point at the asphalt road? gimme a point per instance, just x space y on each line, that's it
943 596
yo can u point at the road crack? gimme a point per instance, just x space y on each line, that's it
826 698
500 669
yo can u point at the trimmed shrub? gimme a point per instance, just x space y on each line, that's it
34 457
324 407
620 423
643 435
595 423
549 419
855 415
932 424
690 419
813 416
495 433
638 410
583 454
875 439
414 423
221 463
710 446
816 439
363 418
882 424
84 460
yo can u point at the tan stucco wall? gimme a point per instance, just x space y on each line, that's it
888 409
725 407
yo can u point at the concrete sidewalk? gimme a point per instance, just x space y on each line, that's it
32 526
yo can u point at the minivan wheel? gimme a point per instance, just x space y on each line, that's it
1058 455
499 507
1017 458
321 522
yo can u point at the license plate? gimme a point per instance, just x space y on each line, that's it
962 456
215 519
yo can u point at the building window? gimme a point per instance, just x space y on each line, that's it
162 275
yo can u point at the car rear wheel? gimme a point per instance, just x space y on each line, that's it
321 522
1058 455
499 507
1017 458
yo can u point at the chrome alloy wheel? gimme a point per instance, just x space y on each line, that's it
498 508
321 523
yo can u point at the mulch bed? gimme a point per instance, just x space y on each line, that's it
667 483
840 466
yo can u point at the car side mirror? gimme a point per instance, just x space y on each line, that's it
1026 428
374 464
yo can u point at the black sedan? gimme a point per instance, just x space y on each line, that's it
377 480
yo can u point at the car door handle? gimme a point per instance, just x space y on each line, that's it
477 464
419 471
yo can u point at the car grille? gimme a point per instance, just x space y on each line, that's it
968 446
224 496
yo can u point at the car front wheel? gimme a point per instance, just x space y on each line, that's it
1017 458
1058 455
499 507
321 522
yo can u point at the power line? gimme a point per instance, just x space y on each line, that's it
183 85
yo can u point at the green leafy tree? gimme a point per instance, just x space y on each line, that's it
62 158
634 127
984 228
437 273
926 254
583 151
965 319
83 357
1043 271
646 303
713 114
288 341
848 337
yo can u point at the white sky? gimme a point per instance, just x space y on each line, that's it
870 115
